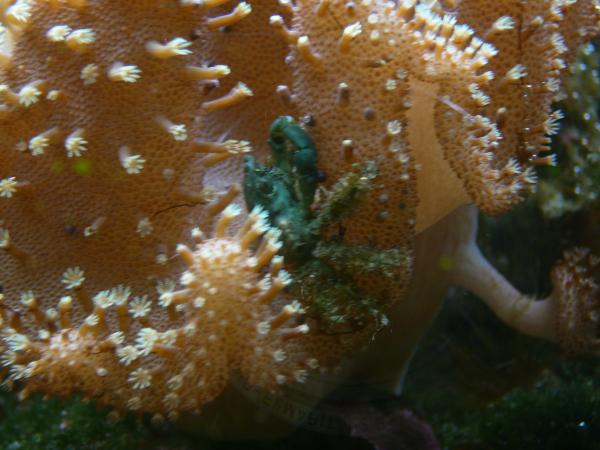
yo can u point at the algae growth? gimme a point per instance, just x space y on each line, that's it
324 268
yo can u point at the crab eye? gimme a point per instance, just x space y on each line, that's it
279 140
321 176
265 187
309 120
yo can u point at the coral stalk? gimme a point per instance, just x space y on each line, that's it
473 272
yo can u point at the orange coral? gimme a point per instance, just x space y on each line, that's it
438 94
577 302
93 137
100 186
101 128
99 137
120 120
118 357
451 99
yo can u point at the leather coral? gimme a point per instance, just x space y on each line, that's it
112 112
122 122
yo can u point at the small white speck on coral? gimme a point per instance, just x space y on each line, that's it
73 277
313 363
28 299
133 164
504 23
164 286
516 73
126 73
53 95
103 299
127 354
30 94
120 294
38 145
178 131
18 372
301 375
349 33
279 356
134 403
92 320
4 238
58 33
8 186
394 127
117 338
89 74
207 73
145 227
145 340
43 335
140 378
199 302
19 13
176 47
76 143
263 328
140 307
175 383
80 40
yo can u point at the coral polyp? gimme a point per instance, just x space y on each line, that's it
118 356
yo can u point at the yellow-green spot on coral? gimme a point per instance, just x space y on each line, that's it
82 166
446 263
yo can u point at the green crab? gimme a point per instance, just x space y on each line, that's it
325 268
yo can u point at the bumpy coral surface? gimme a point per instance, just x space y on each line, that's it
226 326
466 84
106 105
122 122
99 136
451 100
575 281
